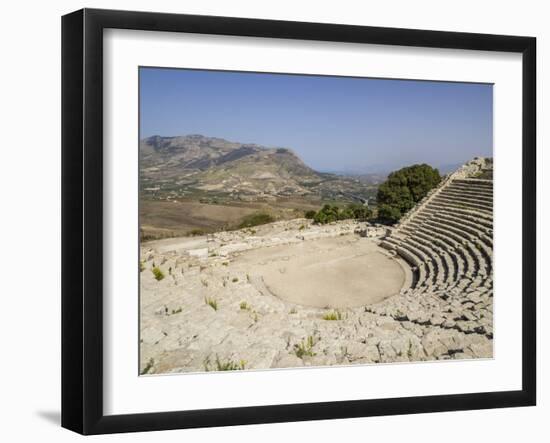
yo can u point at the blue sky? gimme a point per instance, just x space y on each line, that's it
332 123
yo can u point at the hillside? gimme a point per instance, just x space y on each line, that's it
195 165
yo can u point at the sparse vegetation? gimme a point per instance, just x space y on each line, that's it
221 365
141 266
211 302
305 348
293 311
334 315
410 350
235 280
157 272
260 218
177 311
196 232
244 306
331 213
148 366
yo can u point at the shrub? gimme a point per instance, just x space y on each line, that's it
389 214
235 280
359 211
332 213
310 214
244 306
260 218
159 275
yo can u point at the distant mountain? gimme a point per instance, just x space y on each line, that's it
190 164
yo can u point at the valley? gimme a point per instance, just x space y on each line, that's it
193 184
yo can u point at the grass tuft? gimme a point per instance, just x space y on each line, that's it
221 365
334 315
305 348
211 302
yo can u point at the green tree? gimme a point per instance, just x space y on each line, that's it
389 214
403 189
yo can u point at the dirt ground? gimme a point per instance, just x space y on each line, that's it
164 219
327 273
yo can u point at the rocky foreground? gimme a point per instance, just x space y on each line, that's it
202 309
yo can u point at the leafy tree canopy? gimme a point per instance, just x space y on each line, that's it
403 189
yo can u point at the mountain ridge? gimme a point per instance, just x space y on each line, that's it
196 163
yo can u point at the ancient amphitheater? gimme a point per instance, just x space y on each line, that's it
293 294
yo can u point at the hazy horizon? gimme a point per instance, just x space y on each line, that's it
336 124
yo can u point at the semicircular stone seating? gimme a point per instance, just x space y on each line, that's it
447 240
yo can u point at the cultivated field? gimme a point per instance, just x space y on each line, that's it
184 217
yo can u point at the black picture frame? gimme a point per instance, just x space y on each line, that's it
82 218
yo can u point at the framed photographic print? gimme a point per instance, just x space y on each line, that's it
269 221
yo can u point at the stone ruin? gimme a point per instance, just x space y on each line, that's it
447 240
444 311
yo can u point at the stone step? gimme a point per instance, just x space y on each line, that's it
466 199
462 203
448 245
472 189
476 231
452 192
467 220
410 256
474 182
439 273
455 240
487 215
473 246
